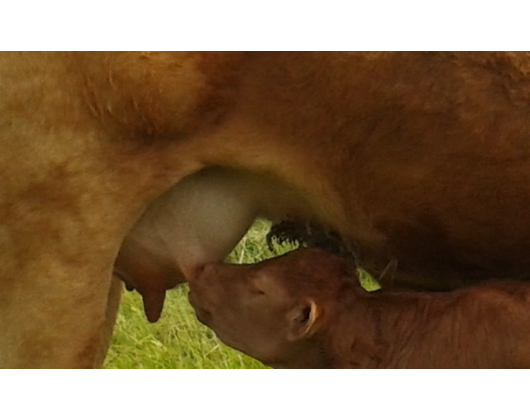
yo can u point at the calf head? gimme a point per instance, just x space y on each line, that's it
273 310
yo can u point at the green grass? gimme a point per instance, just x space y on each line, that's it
178 340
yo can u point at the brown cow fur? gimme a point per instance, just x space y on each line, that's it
418 158
307 310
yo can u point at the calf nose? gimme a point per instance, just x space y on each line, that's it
202 277
207 272
197 271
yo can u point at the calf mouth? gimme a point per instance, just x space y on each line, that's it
204 316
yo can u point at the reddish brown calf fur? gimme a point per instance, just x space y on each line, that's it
344 326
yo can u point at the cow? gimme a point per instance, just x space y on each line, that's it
418 160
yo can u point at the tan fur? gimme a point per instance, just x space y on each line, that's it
420 158
252 308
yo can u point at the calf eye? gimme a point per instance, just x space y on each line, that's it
256 288
257 291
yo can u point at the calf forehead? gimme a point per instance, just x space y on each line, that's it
306 270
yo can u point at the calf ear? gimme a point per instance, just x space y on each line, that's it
302 320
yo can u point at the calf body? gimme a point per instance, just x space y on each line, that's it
307 310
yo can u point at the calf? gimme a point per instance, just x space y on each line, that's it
307 310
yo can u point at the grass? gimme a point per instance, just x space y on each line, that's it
178 340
